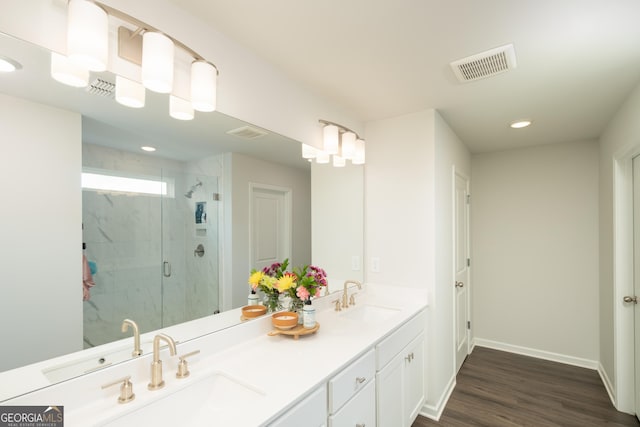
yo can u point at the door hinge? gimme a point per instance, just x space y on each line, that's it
468 262
468 198
469 324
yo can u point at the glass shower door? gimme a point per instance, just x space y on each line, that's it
190 282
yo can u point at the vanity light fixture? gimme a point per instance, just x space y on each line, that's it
322 157
87 35
309 152
180 109
156 60
8 65
339 141
519 124
129 93
67 72
330 138
203 85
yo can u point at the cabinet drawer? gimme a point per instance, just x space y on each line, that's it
360 411
312 409
351 380
390 346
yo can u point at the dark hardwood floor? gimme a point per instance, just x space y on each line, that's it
495 388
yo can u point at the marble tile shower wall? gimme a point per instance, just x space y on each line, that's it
129 236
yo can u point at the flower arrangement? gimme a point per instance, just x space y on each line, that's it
299 285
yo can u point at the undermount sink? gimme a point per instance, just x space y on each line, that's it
197 404
369 312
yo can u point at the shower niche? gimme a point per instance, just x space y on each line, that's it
144 243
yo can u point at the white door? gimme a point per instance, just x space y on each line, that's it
270 225
636 269
461 266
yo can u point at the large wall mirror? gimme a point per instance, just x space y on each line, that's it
160 259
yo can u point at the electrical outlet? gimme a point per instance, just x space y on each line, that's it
355 263
375 265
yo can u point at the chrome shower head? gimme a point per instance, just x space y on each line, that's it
189 193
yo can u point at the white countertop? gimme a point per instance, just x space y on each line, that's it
280 369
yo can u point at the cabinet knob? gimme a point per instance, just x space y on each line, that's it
360 425
360 380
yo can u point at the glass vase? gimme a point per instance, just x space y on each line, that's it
273 302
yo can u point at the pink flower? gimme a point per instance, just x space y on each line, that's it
317 293
302 293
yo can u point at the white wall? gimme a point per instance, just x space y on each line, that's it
408 226
41 307
534 222
399 195
619 141
243 170
451 154
337 215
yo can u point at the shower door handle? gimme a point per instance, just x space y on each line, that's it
166 269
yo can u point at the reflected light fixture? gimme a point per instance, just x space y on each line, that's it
157 62
330 138
358 157
67 72
203 86
8 65
308 151
129 93
339 141
338 161
519 124
87 35
348 145
180 109
148 148
322 157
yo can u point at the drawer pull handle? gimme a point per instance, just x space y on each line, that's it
360 380
360 425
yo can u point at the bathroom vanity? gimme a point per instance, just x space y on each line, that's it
364 367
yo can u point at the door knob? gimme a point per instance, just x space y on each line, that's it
459 285
633 299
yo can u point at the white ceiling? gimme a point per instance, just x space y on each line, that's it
577 59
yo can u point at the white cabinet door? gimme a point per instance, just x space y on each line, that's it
359 411
401 386
414 380
390 392
310 412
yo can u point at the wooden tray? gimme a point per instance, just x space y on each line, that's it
295 332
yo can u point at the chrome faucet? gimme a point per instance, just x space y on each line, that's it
345 298
156 366
137 351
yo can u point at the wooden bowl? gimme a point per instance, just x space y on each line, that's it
251 311
285 320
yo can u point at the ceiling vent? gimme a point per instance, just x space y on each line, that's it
485 64
101 87
247 132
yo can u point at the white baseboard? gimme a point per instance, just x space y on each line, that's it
607 384
434 412
540 354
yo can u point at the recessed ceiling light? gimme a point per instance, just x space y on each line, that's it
519 124
147 148
8 65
